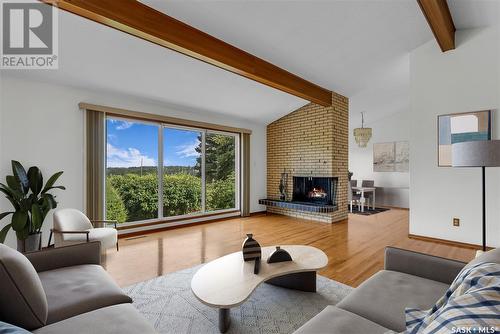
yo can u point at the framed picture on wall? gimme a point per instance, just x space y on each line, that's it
402 156
458 128
383 157
391 157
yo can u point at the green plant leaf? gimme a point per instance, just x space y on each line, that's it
10 192
35 180
21 176
56 187
25 204
13 183
19 221
50 183
36 217
5 214
3 233
51 201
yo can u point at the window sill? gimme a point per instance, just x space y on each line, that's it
176 219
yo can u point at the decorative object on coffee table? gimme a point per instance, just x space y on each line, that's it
31 203
252 252
227 282
279 255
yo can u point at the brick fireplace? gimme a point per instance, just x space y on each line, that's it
310 145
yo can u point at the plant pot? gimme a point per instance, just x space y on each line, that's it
31 244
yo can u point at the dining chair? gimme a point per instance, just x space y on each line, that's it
353 197
71 227
369 195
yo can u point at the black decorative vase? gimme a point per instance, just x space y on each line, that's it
252 252
279 255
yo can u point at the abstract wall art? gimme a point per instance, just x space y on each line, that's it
463 127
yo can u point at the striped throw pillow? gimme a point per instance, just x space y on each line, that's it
470 305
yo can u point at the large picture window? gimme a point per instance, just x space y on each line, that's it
199 171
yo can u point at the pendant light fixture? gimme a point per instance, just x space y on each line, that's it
362 134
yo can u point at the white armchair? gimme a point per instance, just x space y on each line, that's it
73 227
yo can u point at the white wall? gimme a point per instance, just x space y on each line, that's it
43 126
392 187
465 79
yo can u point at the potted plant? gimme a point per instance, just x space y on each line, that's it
31 201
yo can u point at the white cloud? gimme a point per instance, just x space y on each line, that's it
121 125
130 157
189 150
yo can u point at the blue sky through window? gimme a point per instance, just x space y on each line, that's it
179 147
130 142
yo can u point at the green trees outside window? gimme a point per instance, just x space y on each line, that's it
220 171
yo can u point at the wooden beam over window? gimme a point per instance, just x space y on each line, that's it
137 19
439 18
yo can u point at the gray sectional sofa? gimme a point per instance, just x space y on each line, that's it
64 290
409 279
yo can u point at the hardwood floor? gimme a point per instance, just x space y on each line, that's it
355 248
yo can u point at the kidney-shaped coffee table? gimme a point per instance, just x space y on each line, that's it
228 281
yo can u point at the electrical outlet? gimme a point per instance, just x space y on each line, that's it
456 221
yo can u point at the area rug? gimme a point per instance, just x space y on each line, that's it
368 212
168 303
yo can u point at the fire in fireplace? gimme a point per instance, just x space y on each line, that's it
320 190
317 193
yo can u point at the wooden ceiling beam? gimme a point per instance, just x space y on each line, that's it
439 18
137 19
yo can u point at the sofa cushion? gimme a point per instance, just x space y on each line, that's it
122 319
334 320
384 297
22 299
78 289
492 256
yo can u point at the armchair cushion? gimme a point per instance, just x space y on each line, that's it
22 298
71 220
78 289
106 235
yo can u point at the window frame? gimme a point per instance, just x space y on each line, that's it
160 167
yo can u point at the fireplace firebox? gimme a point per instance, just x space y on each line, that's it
313 189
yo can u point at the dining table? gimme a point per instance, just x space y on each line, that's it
362 199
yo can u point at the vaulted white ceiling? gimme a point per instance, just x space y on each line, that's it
346 46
